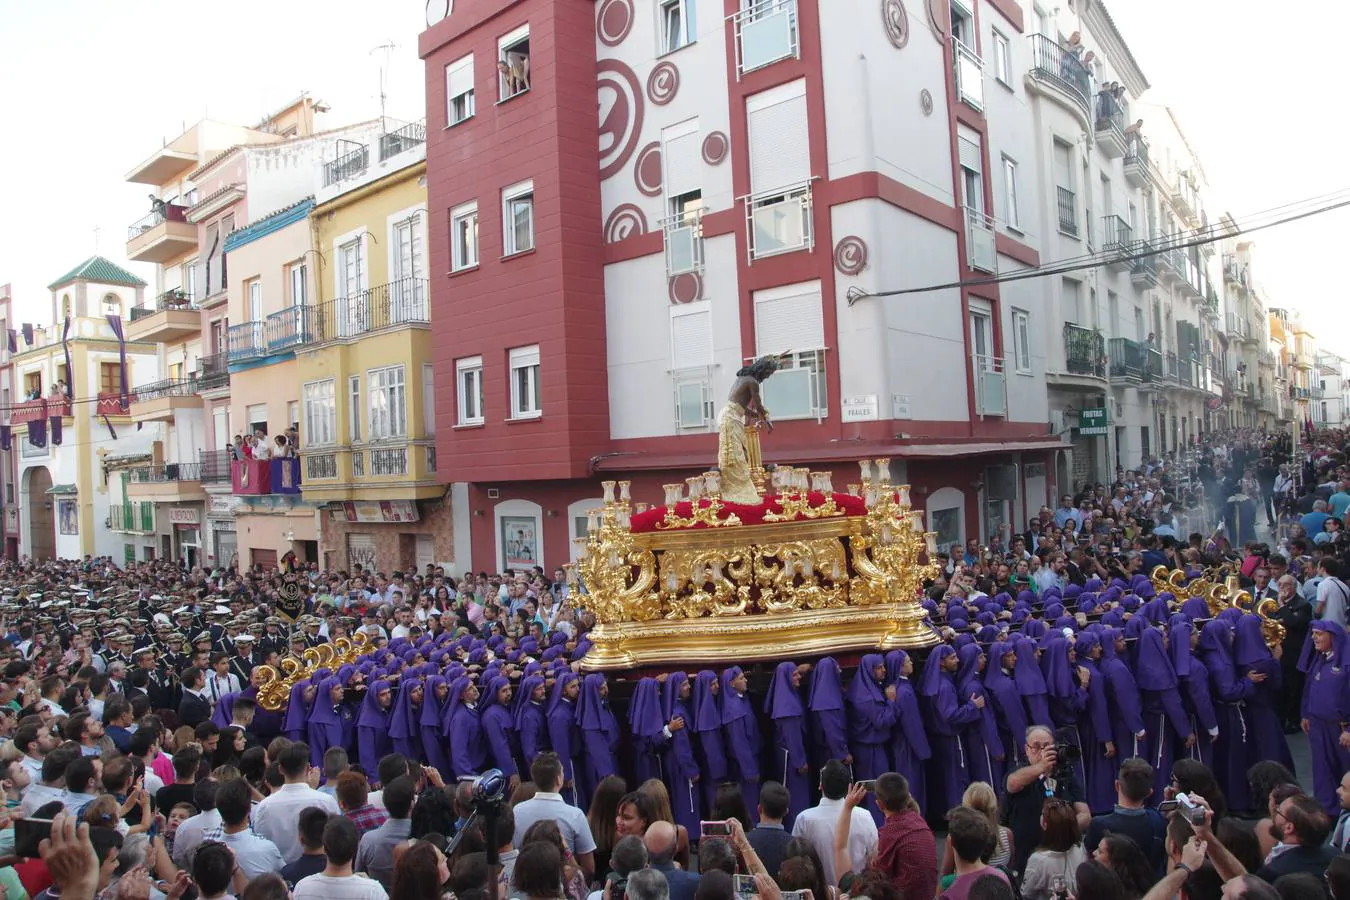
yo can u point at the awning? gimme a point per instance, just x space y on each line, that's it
63 489
834 452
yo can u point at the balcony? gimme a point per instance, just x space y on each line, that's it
395 142
1066 204
780 221
1170 268
1236 325
1117 243
1235 271
1153 366
1084 351
286 329
167 483
133 518
163 235
1136 160
396 469
402 302
969 75
39 410
1110 118
161 401
348 165
213 372
1058 67
981 249
169 317
1185 197
112 403
991 386
1128 360
684 242
1144 272
246 342
766 32
215 466
261 477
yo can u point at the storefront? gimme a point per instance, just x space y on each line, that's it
220 532
387 535
186 522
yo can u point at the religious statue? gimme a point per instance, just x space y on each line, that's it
744 408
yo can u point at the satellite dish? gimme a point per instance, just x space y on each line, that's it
438 10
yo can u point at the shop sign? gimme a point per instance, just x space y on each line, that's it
185 516
381 511
1092 421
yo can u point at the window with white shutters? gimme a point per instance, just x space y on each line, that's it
683 158
691 338
780 155
320 402
790 321
525 395
459 90
691 364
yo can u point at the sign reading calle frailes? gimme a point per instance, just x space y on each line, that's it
381 511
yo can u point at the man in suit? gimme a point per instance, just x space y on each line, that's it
195 708
1302 827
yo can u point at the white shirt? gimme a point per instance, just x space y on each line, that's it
255 855
817 826
576 831
217 687
350 887
275 817
191 832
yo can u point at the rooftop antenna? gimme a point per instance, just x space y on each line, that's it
388 47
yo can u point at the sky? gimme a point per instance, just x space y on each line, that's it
93 88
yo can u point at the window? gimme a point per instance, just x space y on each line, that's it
518 218
691 364
464 237
1010 212
678 27
354 408
320 422
351 268
792 318
525 383
1022 341
684 234
469 385
800 389
299 287
255 415
513 62
1002 59
459 91
109 378
254 291
388 404
428 400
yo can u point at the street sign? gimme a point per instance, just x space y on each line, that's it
1092 421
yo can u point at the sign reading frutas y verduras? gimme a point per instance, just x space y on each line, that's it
1092 421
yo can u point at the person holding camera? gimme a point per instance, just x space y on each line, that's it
1030 786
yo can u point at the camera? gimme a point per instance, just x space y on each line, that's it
1067 754
1191 811
489 790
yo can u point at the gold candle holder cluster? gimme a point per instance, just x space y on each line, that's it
704 494
792 489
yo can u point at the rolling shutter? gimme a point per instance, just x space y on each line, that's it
691 340
780 155
789 323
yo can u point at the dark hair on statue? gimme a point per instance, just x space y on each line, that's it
760 369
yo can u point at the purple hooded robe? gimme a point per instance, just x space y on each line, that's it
708 730
790 766
530 721
565 735
1122 695
741 732
980 740
1194 682
429 727
646 727
1009 713
499 728
909 739
1030 682
1094 730
330 724
1251 654
1229 693
1326 707
679 762
468 750
946 714
829 722
1166 725
599 734
405 721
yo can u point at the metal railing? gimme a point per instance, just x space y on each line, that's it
348 165
431 457
1057 64
1127 358
684 242
1145 265
780 221
1236 324
1116 234
1066 203
169 387
177 298
215 466
287 328
319 466
405 138
136 516
358 464
1153 364
969 74
991 385
179 471
1110 114
246 341
766 31
389 461
1084 351
213 371
402 302
1137 152
981 244
170 212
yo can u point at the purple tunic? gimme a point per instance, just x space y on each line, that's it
1326 706
741 733
791 766
429 726
1009 712
1122 695
468 750
708 730
646 727
829 722
980 740
372 729
1194 681
946 715
599 734
1166 725
1094 731
1229 693
1251 654
330 724
565 736
530 721
1031 683
679 762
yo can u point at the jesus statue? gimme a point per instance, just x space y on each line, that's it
744 407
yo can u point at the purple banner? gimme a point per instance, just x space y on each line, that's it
56 431
13 341
116 323
28 334
112 432
70 373
37 432
6 434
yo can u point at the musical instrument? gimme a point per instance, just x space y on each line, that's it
274 691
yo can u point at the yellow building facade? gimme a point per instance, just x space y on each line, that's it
367 405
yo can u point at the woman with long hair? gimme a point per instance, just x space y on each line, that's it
1122 855
604 810
573 879
980 797
800 848
655 791
1056 860
229 747
729 803
420 873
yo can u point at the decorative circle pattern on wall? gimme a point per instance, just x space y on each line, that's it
926 101
621 112
938 19
686 287
626 221
663 83
850 255
613 21
647 170
896 22
715 147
